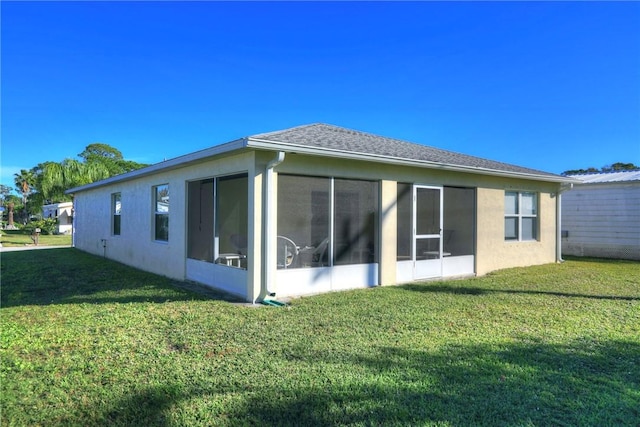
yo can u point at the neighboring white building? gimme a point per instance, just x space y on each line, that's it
601 216
63 212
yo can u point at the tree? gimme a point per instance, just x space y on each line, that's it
100 151
24 182
10 225
5 190
616 167
109 157
48 181
59 177
12 202
99 161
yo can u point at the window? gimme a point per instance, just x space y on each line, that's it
116 207
520 216
161 213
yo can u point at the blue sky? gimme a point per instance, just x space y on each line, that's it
546 85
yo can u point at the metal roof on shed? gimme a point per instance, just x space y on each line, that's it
600 178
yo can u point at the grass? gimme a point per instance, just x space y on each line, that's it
10 238
86 341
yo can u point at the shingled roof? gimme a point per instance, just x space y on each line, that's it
333 141
322 137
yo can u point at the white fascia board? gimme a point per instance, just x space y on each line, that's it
343 154
174 163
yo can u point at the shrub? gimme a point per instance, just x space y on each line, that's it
46 226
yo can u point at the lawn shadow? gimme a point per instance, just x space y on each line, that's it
70 276
468 290
584 383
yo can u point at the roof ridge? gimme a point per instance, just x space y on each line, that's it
366 133
275 132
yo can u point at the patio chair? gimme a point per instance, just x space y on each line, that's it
287 252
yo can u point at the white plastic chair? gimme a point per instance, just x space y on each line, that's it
287 252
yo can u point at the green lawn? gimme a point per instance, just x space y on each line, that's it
10 238
86 341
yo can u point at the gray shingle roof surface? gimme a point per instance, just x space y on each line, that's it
324 136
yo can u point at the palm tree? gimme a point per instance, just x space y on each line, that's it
24 183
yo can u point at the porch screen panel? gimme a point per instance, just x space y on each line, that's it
427 211
355 222
303 221
459 221
232 217
405 215
200 220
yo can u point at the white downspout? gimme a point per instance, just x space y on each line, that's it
269 264
559 221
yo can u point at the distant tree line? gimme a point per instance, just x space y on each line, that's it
616 167
47 182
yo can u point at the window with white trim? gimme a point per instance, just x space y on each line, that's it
116 211
520 216
161 212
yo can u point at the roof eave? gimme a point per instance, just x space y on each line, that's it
303 149
176 162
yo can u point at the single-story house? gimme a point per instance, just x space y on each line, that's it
63 212
319 208
601 216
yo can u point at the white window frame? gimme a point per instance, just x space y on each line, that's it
156 212
519 216
116 211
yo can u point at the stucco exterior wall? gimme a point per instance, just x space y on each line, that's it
135 245
388 232
492 251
